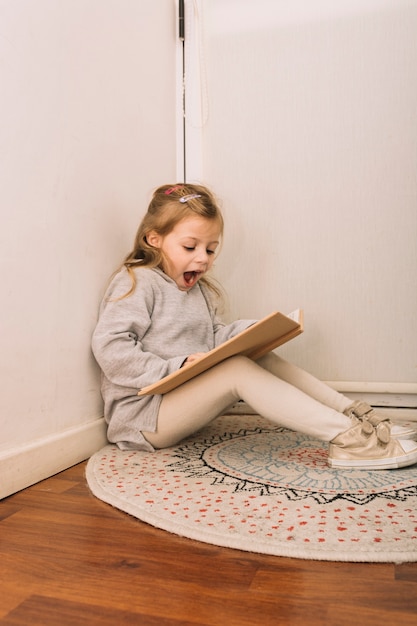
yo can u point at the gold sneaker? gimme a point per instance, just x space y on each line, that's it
364 411
364 446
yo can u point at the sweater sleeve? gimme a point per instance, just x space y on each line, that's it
117 339
227 331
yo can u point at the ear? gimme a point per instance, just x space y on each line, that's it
154 239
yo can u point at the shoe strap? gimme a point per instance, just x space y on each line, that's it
383 432
370 421
364 411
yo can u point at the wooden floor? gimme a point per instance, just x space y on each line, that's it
69 559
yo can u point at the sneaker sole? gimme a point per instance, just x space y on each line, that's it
375 464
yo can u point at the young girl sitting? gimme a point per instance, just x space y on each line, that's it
159 313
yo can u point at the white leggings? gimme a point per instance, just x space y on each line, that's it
272 387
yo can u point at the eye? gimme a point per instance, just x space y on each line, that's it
189 248
211 252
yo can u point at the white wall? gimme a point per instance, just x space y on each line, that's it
87 130
309 135
319 187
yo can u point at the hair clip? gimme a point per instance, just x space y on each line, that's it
172 189
190 196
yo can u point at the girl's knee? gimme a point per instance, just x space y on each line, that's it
269 360
238 371
238 362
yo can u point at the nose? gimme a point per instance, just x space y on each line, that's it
202 256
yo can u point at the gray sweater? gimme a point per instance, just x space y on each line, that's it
144 337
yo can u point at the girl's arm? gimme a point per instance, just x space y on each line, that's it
117 339
225 332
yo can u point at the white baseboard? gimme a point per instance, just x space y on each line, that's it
28 464
396 414
396 395
398 400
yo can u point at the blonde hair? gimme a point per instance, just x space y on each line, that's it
165 211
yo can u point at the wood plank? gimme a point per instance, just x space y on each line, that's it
76 613
361 590
346 615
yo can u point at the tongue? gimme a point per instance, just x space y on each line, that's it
189 277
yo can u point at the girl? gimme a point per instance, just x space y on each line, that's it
159 313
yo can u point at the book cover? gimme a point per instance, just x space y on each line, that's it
262 337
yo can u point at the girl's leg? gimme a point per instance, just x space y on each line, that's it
195 403
304 381
328 396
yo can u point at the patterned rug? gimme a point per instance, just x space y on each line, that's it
244 484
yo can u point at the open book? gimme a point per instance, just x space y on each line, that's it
262 337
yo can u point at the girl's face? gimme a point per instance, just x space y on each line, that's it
188 250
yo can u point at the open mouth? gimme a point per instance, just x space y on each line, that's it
190 278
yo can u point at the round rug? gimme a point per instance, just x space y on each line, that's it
244 484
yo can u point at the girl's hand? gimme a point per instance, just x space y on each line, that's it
194 357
